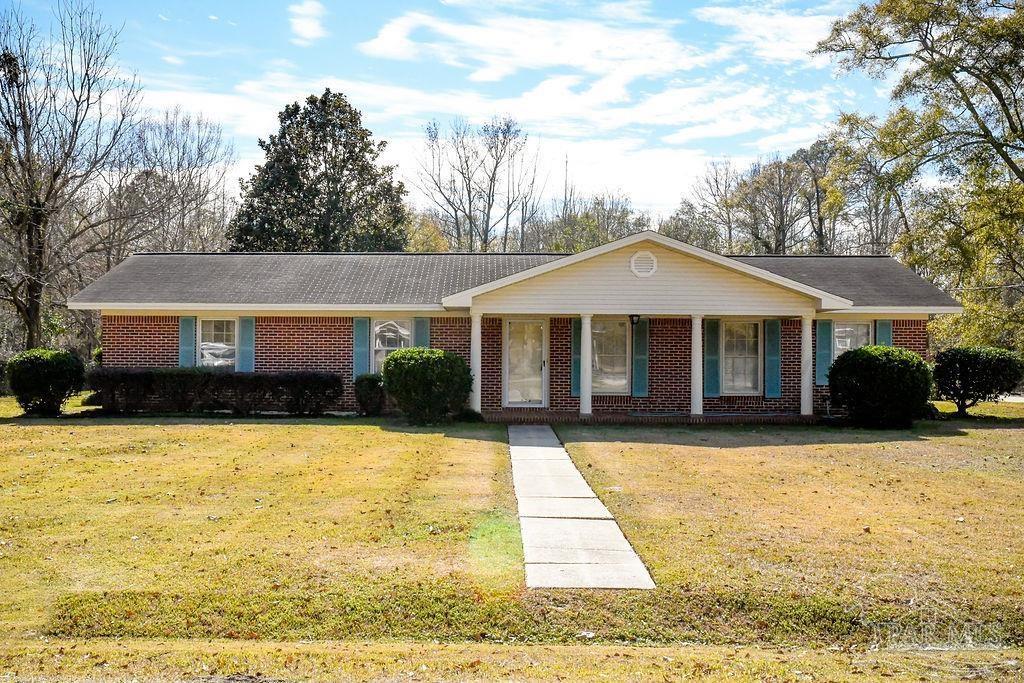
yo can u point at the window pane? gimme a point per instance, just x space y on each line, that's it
217 343
849 336
741 363
610 357
388 336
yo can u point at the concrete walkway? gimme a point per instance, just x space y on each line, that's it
570 540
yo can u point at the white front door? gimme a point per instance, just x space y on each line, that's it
525 363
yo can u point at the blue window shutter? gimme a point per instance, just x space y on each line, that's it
712 367
360 346
641 345
823 352
883 332
246 345
773 358
577 331
421 332
186 342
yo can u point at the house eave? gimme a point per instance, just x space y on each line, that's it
897 310
256 308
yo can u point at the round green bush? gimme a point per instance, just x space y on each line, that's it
881 386
370 393
969 375
429 385
42 380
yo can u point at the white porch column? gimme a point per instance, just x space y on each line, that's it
697 365
586 365
806 367
475 362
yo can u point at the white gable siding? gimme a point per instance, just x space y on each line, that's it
681 285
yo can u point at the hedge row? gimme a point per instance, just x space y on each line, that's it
189 390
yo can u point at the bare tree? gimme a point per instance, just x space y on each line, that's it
715 194
769 198
479 180
66 110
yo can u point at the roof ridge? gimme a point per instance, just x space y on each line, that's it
349 253
808 255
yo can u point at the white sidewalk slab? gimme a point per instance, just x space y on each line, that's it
578 508
570 539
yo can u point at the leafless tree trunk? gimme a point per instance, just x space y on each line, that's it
65 111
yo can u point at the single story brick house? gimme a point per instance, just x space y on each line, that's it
645 327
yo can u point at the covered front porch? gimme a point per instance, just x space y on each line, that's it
644 368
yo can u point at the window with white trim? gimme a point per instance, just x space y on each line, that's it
741 357
389 336
610 356
849 335
217 343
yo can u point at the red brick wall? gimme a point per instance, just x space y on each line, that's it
911 334
490 364
451 334
321 343
325 343
140 341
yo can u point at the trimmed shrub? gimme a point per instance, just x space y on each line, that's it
189 390
309 393
969 375
42 380
130 390
881 386
370 393
427 384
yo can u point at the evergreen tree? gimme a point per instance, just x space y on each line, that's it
321 187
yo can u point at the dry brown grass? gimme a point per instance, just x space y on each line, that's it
926 520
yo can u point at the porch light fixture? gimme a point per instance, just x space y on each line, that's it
634 319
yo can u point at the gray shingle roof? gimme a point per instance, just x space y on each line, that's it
352 280
300 279
865 280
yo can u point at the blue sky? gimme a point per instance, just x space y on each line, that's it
639 95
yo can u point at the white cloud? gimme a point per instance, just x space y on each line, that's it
790 139
213 17
171 59
306 19
772 35
498 46
162 17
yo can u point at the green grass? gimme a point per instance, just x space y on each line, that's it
176 530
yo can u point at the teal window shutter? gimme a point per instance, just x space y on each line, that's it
577 331
883 332
186 342
421 332
712 367
822 352
360 346
641 345
773 358
246 345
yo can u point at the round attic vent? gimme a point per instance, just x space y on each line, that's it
643 264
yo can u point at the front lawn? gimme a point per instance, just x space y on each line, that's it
915 534
179 529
